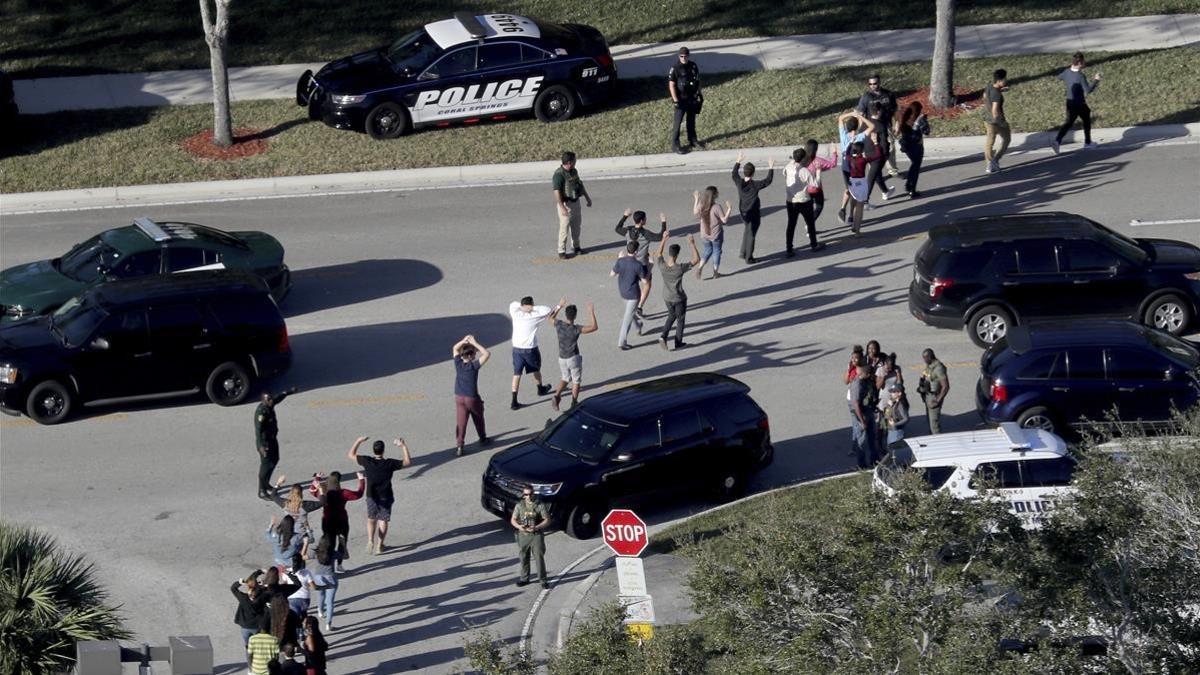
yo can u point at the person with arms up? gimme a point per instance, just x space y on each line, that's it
853 128
995 121
526 357
266 438
252 607
531 518
748 202
676 300
802 179
378 471
640 235
683 83
933 387
633 289
468 356
1078 87
568 190
335 522
570 361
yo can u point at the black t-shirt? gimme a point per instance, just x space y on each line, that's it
686 77
378 472
466 377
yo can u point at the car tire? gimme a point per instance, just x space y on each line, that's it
555 104
1037 417
989 324
1170 313
48 403
583 520
730 485
386 121
228 384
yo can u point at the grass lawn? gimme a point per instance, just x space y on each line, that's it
74 37
142 145
804 506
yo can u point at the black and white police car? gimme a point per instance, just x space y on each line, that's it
466 69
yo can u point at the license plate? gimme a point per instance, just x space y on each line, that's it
496 503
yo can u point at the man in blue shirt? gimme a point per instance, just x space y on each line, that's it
632 285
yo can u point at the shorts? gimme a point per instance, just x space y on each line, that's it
526 360
571 369
379 510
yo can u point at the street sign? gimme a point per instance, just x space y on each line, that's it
638 608
631 576
625 533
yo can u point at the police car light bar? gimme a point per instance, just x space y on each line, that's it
1017 438
471 24
151 229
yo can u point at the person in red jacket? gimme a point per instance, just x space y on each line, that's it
860 187
335 522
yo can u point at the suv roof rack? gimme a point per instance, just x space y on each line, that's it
470 22
151 229
1017 440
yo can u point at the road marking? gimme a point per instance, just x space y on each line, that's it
367 400
1143 223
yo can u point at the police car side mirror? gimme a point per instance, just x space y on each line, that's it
622 457
549 421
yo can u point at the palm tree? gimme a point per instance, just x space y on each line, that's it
49 599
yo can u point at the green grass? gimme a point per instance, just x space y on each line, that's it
71 37
784 107
801 505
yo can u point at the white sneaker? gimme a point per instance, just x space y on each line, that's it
987 168
1056 147
328 627
888 194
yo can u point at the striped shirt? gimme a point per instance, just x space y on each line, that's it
263 647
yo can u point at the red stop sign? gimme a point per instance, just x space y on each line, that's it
624 533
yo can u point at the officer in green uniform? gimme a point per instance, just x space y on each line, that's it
933 387
531 519
266 429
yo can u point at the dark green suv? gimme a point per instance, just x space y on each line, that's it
143 248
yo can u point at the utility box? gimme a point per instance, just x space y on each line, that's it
191 655
97 657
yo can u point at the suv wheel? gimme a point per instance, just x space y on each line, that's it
730 485
229 384
1036 418
584 520
988 325
386 121
48 403
555 104
1170 313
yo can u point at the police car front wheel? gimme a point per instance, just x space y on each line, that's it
385 121
555 104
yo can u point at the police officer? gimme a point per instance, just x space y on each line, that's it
933 387
683 81
531 519
266 430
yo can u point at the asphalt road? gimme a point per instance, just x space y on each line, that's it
162 497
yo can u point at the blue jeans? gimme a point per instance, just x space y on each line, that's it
325 601
712 249
894 435
860 441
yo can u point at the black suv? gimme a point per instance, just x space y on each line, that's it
142 338
699 430
1054 376
992 273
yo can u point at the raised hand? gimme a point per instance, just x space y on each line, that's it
628 212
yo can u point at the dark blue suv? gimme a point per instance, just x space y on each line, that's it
1054 376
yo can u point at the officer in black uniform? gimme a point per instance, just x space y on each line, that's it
683 81
266 430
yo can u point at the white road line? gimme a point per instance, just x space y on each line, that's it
1180 221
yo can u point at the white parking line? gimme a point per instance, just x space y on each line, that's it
1145 223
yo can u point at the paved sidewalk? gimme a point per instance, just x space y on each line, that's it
187 87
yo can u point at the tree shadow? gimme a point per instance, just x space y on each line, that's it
318 288
429 461
30 134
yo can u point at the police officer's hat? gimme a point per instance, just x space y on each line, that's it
684 51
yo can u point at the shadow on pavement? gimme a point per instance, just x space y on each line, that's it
318 288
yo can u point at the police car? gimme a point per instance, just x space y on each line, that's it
466 69
1028 468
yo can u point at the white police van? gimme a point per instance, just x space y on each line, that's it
1030 469
463 70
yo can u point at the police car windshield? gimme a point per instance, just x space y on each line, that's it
74 321
412 52
83 262
1179 351
583 436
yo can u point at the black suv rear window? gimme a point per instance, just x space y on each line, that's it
965 264
927 256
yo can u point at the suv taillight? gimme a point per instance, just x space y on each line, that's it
999 393
282 345
765 423
938 285
605 61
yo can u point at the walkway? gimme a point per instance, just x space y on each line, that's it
188 87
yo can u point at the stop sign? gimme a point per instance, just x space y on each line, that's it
624 533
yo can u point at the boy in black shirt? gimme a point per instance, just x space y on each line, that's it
748 203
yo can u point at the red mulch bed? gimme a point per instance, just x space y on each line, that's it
246 143
966 101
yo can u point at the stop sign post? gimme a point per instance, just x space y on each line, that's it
625 533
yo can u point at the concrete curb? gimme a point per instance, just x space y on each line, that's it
568 612
603 168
